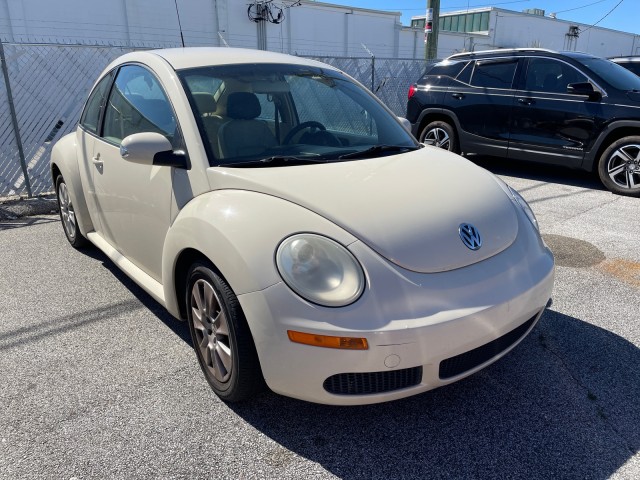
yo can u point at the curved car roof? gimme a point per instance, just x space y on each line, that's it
181 58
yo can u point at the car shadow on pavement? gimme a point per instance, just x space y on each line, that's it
11 223
181 329
564 403
540 172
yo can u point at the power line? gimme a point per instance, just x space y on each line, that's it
609 12
578 8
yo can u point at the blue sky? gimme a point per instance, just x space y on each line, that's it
625 17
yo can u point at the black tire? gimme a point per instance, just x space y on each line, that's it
236 378
68 215
440 134
619 167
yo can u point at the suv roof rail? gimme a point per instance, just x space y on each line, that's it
499 50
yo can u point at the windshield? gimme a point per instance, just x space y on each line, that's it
612 73
265 112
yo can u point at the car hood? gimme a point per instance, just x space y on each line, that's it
407 207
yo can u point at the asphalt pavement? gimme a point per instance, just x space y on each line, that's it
98 381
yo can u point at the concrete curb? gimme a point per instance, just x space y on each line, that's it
10 209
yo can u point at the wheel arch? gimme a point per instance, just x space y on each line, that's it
429 115
233 231
64 161
186 259
613 132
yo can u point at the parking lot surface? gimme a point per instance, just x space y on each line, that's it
98 381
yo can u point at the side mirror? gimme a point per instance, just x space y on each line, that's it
405 123
151 148
584 88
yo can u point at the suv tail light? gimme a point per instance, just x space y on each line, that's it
412 91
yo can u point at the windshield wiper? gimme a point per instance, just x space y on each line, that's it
377 149
275 161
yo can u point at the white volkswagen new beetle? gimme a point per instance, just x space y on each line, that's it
306 237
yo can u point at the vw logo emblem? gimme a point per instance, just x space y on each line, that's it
470 236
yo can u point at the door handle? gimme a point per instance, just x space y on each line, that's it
526 101
96 160
458 96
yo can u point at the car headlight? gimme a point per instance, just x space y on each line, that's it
524 205
320 270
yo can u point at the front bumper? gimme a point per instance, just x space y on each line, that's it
409 320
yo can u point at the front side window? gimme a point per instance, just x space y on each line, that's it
303 113
91 114
492 74
550 75
612 73
137 104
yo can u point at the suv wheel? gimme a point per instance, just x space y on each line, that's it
440 134
619 167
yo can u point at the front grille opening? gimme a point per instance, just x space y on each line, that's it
372 382
464 362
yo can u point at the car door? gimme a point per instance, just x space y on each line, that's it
482 98
86 136
548 124
134 200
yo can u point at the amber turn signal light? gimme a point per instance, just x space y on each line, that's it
348 343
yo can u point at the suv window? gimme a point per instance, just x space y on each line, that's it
137 104
91 115
617 76
446 69
550 75
494 74
631 66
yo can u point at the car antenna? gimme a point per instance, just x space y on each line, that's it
179 24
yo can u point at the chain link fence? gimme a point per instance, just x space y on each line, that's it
43 88
388 78
47 86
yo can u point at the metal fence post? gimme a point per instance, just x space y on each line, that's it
14 120
373 73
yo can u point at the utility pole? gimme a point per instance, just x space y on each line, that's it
431 30
263 13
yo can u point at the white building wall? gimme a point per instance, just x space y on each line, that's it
512 29
412 44
313 28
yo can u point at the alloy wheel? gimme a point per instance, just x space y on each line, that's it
67 213
211 328
623 166
438 137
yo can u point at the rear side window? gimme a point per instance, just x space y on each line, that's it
491 74
91 115
445 69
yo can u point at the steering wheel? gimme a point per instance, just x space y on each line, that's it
300 127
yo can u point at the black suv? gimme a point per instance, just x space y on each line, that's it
630 63
569 109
